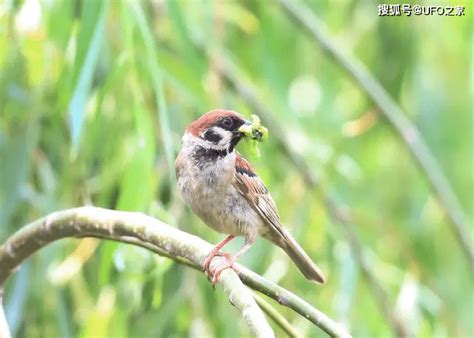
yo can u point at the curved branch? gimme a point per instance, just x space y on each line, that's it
397 120
103 223
264 286
150 233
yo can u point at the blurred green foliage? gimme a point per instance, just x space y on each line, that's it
94 97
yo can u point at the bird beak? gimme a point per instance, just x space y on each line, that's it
246 128
254 130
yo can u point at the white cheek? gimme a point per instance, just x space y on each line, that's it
226 136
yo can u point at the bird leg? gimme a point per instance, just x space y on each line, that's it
215 252
229 263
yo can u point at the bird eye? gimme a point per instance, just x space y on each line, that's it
227 122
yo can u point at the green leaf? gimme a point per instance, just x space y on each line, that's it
16 301
77 104
157 84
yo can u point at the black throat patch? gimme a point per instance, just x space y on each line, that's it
205 155
235 139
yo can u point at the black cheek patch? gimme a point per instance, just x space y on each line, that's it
212 137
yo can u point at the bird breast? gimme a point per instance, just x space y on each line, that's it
207 188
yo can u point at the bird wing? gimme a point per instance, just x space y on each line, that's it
254 191
251 187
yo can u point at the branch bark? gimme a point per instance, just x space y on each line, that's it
150 233
407 131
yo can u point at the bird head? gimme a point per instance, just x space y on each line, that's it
218 129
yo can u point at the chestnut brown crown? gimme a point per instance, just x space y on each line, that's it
219 129
226 119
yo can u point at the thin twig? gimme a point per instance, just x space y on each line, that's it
341 215
150 233
381 296
276 316
396 118
286 298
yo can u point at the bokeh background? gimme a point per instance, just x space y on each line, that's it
94 98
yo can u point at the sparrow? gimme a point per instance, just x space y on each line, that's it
221 188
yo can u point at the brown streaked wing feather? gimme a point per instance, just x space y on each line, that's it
255 192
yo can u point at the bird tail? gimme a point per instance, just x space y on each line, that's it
304 263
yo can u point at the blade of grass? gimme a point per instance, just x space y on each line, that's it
77 105
157 83
63 316
180 24
276 316
15 305
4 329
16 164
